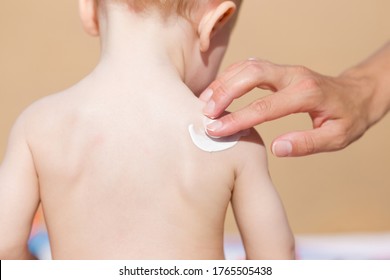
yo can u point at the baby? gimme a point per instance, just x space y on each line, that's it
120 162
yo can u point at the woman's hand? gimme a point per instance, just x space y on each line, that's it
341 108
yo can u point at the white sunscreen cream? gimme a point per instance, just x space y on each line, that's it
209 144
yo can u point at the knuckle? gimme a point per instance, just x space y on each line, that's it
337 136
254 66
309 90
305 78
301 70
220 91
309 83
261 106
309 145
340 139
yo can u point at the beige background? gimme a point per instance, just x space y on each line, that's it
43 49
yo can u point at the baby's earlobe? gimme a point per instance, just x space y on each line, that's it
89 16
213 21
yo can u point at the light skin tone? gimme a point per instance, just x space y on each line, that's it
342 108
114 166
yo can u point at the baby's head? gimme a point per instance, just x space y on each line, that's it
184 8
205 26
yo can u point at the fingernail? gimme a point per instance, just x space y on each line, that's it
209 109
206 95
282 148
214 126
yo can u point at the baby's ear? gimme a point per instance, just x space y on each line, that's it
89 16
213 21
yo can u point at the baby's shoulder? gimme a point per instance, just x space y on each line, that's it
45 113
44 107
250 150
250 142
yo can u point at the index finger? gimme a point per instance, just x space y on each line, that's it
268 108
241 78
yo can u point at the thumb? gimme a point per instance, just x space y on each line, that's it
303 143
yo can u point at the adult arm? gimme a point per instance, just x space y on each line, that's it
341 108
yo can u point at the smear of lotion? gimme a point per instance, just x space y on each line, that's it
209 144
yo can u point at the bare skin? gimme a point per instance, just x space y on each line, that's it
118 177
342 108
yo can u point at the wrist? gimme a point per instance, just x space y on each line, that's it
373 74
368 82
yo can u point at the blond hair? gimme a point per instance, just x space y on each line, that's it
166 7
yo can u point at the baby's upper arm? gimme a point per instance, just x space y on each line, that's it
257 207
19 194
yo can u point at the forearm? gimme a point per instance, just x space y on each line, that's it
282 249
373 75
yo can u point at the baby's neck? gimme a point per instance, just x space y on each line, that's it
137 68
141 50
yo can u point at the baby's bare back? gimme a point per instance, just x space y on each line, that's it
119 181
